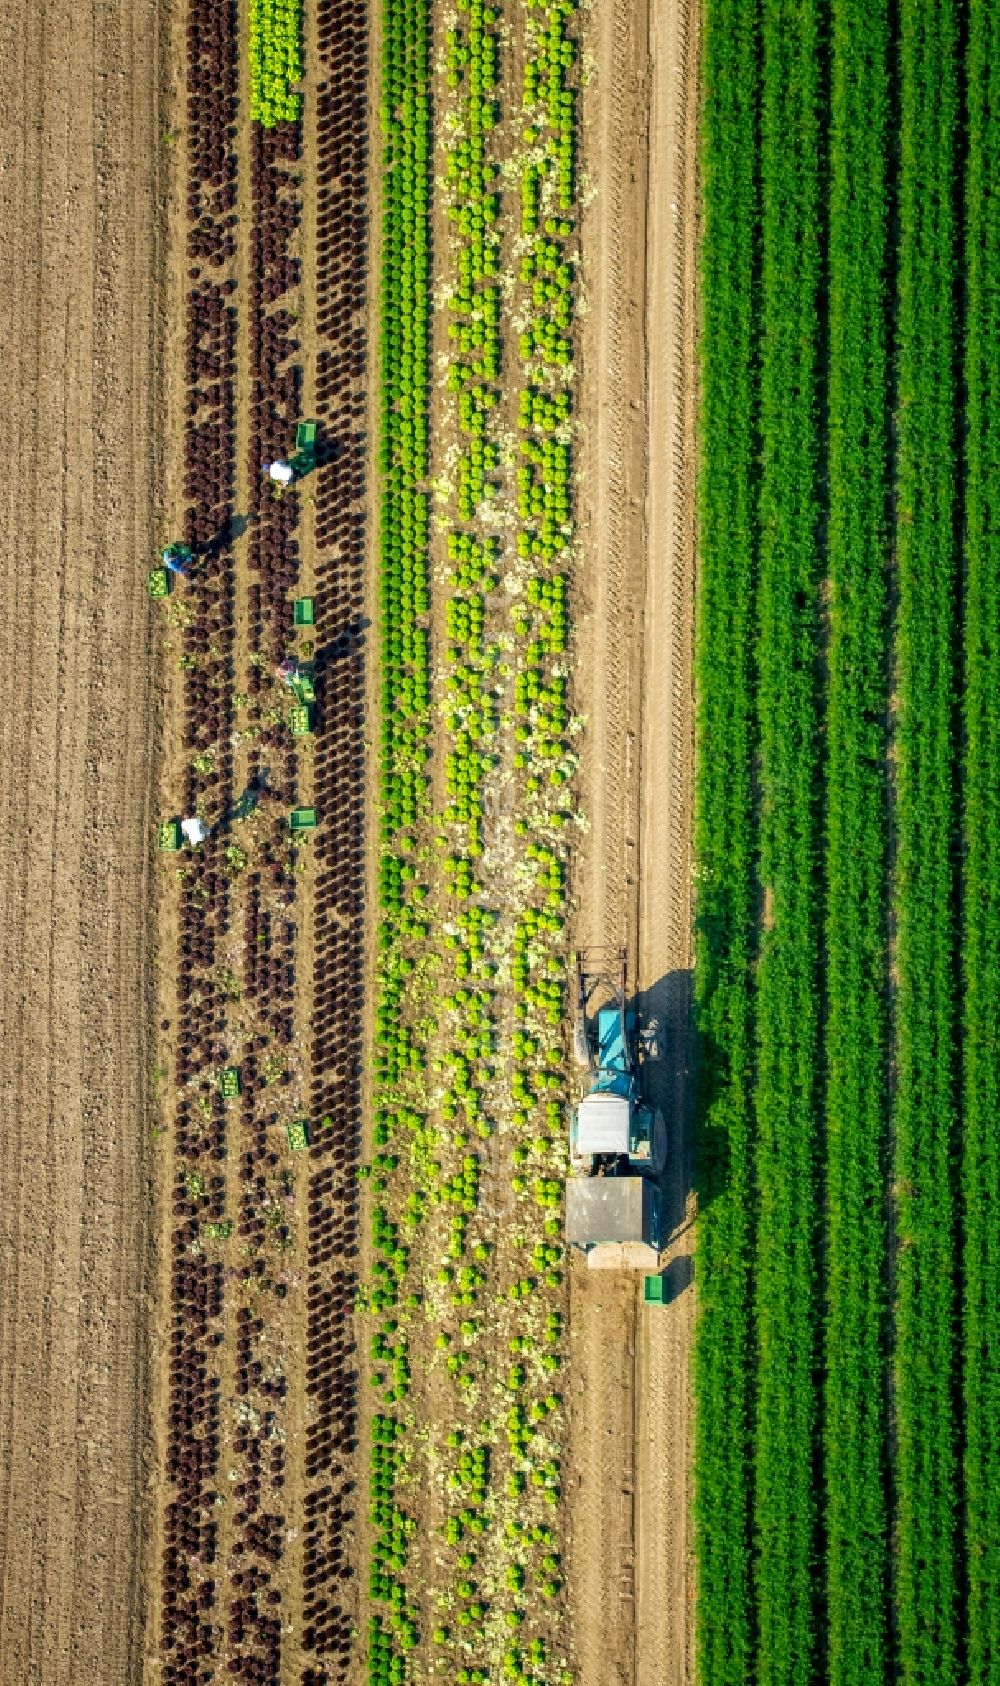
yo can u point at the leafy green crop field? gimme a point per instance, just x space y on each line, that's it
848 938
980 1072
465 1302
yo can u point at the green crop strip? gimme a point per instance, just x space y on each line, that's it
854 1426
462 1289
275 61
724 848
787 980
473 880
862 1564
925 881
981 925
405 714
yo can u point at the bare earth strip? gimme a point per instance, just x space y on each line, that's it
631 1567
665 1569
78 144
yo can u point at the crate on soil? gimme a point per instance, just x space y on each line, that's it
298 1135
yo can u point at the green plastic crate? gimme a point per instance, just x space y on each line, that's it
230 1084
168 834
304 612
298 1135
300 720
654 1290
158 582
302 819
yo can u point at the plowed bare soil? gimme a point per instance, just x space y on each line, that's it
79 148
632 1567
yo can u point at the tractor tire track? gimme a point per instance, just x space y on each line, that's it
665 1567
631 1551
665 1604
78 196
603 1323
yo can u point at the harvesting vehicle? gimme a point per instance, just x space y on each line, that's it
617 1139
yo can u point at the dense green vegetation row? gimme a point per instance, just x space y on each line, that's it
854 1426
835 885
724 932
404 333
924 887
981 932
787 997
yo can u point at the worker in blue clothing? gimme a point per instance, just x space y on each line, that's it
175 556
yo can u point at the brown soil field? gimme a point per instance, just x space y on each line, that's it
79 165
631 1442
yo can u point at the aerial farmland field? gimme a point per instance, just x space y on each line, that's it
498 1027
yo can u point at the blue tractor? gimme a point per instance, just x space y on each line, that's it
617 1140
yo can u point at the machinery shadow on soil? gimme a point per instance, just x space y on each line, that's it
668 1083
677 1276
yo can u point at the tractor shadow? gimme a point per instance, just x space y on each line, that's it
677 1276
668 1083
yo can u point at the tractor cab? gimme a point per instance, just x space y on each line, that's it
617 1141
612 1129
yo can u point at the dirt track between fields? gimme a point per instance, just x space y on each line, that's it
631 1559
78 158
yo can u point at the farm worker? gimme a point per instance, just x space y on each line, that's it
282 472
172 558
288 670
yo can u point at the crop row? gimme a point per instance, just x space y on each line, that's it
338 493
471 890
724 844
847 1454
189 1592
497 1075
855 1429
404 326
276 65
262 1245
981 840
262 1187
924 891
787 1009
464 1039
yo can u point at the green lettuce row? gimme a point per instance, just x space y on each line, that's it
924 889
981 908
787 1021
724 846
275 61
855 1426
404 600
